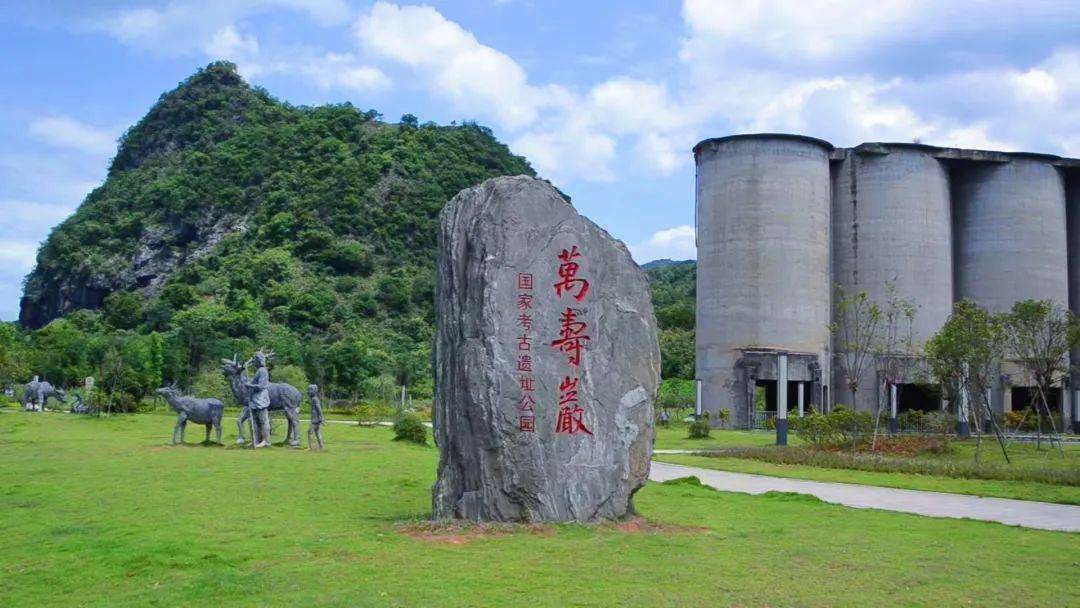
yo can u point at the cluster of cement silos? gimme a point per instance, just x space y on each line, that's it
783 219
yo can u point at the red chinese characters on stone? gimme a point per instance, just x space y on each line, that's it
525 280
568 269
572 337
571 417
527 403
524 363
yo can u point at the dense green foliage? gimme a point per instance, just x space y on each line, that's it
327 255
674 293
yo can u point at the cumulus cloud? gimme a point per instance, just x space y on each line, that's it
227 43
678 243
66 132
844 70
455 65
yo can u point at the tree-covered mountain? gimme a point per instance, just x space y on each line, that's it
231 221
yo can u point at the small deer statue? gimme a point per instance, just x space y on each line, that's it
193 409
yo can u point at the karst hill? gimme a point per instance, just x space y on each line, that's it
230 220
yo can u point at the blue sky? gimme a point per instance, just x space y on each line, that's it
605 98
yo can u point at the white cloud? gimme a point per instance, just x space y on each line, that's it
813 67
342 70
455 65
676 243
569 151
227 43
69 133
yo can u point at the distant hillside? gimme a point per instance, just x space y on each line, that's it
665 262
231 220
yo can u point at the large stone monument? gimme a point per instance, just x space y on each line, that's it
546 361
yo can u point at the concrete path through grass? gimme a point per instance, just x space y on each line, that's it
1028 514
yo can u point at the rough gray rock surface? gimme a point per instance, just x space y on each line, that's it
490 469
158 253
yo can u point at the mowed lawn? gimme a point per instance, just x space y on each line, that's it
1025 457
103 512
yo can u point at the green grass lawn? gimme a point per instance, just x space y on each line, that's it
104 512
674 438
1024 456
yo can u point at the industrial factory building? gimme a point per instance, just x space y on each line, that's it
783 219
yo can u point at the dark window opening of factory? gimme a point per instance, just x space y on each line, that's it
1024 397
765 400
920 397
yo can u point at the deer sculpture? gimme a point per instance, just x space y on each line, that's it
193 409
283 398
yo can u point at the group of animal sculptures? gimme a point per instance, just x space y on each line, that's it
257 396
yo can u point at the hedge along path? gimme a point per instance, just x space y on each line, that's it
1025 513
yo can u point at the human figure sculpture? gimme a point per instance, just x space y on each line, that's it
283 398
193 409
37 393
259 401
316 422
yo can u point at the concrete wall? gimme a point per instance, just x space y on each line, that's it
763 256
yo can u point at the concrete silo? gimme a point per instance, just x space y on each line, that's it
1010 232
763 284
1072 191
892 239
1011 245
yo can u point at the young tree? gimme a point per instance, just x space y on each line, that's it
893 349
855 327
1039 335
965 356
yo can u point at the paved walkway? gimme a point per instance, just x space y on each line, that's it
1028 514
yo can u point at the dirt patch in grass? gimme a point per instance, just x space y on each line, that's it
460 533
